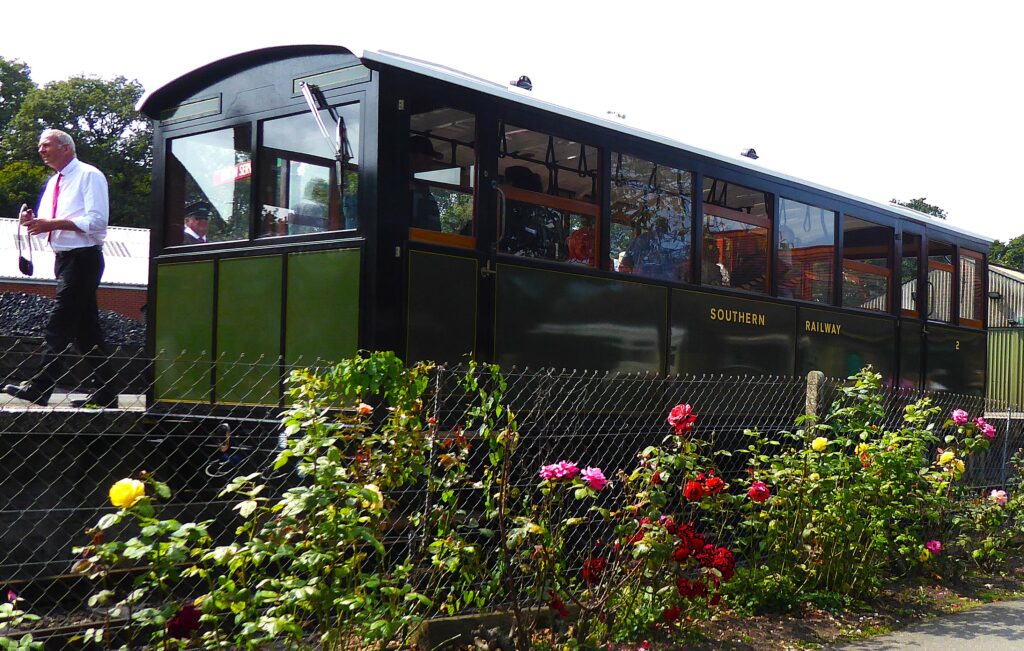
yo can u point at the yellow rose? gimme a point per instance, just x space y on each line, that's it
126 492
862 448
947 457
925 555
377 502
819 444
958 465
814 476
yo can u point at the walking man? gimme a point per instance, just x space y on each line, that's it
72 215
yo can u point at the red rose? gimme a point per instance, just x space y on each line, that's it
184 622
680 554
556 605
683 586
656 478
698 589
667 522
693 491
715 599
682 419
759 491
689 539
671 614
714 485
592 569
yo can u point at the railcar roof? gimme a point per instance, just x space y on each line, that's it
472 82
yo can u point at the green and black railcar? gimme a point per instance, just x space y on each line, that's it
373 201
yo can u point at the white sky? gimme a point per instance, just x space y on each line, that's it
886 99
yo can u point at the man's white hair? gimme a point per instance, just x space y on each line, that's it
62 137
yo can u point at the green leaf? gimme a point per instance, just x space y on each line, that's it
246 508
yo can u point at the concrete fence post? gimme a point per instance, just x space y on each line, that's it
815 380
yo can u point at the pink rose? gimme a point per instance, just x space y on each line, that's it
563 470
934 546
594 478
682 419
759 491
999 497
959 416
987 430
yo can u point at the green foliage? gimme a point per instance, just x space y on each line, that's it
1010 254
921 205
20 182
15 84
11 618
853 503
100 115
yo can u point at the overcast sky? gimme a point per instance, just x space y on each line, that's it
897 99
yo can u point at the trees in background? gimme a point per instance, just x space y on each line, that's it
920 205
1010 254
99 114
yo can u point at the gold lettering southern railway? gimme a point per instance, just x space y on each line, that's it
737 316
822 326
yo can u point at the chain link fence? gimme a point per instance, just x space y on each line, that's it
59 462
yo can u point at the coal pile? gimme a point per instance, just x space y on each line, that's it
25 315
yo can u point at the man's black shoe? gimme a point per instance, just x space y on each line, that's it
26 392
96 401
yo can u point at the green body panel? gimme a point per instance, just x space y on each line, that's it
184 327
840 344
713 333
442 307
322 312
249 330
910 354
1006 366
558 319
956 360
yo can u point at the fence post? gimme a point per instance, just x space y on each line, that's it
1006 446
814 381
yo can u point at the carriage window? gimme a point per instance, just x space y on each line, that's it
867 252
940 281
210 174
650 229
972 289
551 202
806 244
301 190
736 224
442 166
908 275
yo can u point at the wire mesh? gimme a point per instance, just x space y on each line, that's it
172 421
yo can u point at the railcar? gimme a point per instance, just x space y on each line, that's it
367 200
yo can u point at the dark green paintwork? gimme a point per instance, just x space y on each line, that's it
840 344
565 320
184 326
322 312
442 307
249 330
956 360
910 354
702 344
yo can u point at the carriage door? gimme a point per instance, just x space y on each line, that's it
442 182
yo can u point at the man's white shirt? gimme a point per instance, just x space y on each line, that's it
83 200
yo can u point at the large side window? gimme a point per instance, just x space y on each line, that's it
737 221
551 203
442 171
972 289
940 281
651 213
208 184
867 268
909 292
806 247
302 186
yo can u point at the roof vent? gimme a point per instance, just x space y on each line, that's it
524 83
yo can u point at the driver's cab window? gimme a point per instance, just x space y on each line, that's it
304 187
442 176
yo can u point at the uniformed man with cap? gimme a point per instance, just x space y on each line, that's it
197 221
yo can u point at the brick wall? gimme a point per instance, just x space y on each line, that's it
126 301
